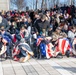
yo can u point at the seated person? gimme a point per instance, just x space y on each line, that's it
7 37
3 46
63 46
46 47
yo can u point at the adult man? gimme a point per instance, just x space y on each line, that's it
41 24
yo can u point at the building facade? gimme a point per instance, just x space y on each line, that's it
4 4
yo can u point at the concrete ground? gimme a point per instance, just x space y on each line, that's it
53 66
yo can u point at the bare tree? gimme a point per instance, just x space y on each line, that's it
73 2
46 4
19 4
57 2
36 3
53 2
42 4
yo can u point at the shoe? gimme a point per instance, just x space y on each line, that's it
31 53
59 55
67 53
3 50
24 59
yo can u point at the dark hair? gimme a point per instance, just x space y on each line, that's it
2 29
74 36
0 13
43 16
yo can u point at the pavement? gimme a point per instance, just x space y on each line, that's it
53 66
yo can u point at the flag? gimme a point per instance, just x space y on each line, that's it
63 46
14 38
46 49
49 51
38 41
15 52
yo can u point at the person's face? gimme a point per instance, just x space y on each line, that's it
25 20
37 16
29 20
74 30
2 31
43 19
50 29
48 13
18 20
13 23
58 30
22 30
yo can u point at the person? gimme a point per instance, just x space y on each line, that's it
36 17
24 52
74 46
4 23
71 34
23 33
12 28
3 46
48 18
63 46
74 20
65 28
29 29
42 24
45 47
6 36
57 32
50 30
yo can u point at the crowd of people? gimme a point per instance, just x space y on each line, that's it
40 33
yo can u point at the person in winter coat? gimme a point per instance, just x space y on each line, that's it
4 23
72 33
6 36
23 33
12 28
42 25
22 52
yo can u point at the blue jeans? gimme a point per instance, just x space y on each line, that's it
9 52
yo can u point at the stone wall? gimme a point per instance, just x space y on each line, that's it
4 4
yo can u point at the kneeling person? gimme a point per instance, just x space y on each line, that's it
25 51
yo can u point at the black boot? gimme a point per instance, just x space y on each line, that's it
67 53
59 55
